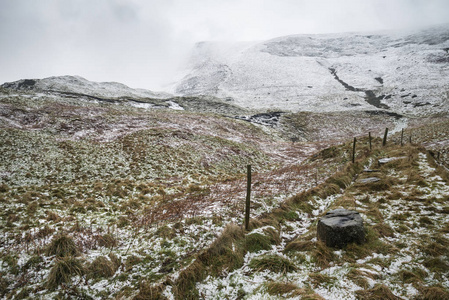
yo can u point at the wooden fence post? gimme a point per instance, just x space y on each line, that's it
402 137
369 136
385 137
248 197
353 151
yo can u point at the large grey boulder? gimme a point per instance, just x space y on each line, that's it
340 227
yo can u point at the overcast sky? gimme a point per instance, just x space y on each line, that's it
143 43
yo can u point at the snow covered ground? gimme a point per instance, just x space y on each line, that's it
409 219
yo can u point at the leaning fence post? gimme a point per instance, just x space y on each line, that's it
248 197
385 137
369 136
353 151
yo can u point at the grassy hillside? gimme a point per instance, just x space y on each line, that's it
132 192
404 256
105 200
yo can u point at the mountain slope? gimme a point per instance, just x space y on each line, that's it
404 72
79 85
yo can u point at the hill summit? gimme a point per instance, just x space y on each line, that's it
403 72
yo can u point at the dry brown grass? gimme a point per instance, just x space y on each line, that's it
318 279
322 255
299 245
433 293
384 230
63 270
101 267
378 292
282 288
273 263
148 291
62 246
359 278
226 252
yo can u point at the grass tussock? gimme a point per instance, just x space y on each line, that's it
442 172
322 255
282 289
62 246
63 271
318 279
358 277
226 252
436 265
435 249
106 240
185 286
412 276
101 267
299 245
256 242
150 291
384 230
433 293
372 244
273 263
378 292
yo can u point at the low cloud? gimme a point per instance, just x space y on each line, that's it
142 43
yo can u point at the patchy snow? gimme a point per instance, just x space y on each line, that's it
175 106
141 105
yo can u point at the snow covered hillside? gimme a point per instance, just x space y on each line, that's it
404 72
79 85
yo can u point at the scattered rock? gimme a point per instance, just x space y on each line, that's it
383 161
370 171
340 227
380 80
369 180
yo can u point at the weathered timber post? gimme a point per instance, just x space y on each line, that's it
438 155
410 138
248 197
402 137
385 137
369 137
353 151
